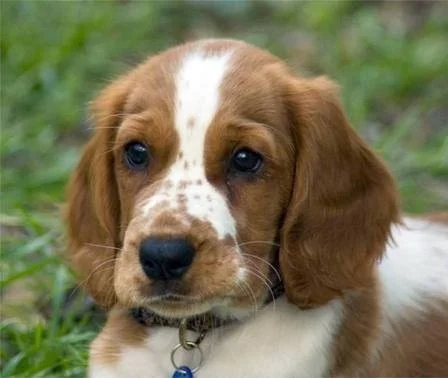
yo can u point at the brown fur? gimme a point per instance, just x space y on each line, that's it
120 330
93 205
356 337
419 347
343 204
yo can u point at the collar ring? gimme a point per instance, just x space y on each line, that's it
191 346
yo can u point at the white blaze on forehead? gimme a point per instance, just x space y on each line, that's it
197 100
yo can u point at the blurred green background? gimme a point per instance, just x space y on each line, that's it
389 57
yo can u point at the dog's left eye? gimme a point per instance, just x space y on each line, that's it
245 160
136 155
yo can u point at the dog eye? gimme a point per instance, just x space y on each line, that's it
245 160
136 155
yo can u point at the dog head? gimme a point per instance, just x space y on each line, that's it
211 162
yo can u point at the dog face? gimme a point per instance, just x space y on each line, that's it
210 162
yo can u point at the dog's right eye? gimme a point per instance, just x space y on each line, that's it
245 161
136 155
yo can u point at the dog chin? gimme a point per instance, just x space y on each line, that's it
178 308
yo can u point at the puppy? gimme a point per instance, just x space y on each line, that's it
235 225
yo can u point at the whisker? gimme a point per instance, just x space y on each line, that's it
257 270
110 293
102 246
82 283
111 149
259 242
95 270
277 273
264 281
248 290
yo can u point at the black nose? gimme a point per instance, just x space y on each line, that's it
166 259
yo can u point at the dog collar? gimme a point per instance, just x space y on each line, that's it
198 323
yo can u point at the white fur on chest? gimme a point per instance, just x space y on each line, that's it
280 338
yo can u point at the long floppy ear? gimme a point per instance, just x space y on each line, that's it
343 201
93 211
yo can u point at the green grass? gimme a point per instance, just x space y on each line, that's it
390 59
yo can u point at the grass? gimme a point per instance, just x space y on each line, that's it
390 59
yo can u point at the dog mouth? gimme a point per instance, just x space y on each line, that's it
178 306
174 299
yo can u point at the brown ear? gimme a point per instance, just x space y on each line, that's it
343 201
93 211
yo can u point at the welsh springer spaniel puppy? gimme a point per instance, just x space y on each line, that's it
235 225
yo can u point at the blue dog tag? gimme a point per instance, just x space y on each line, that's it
183 372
